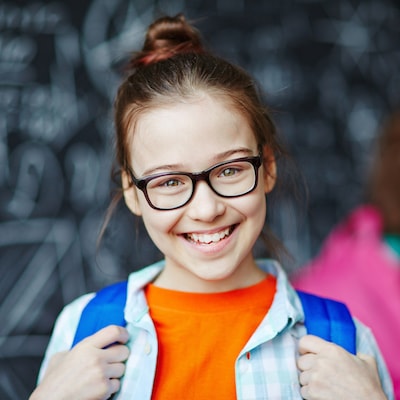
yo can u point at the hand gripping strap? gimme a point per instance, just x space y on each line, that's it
105 308
330 320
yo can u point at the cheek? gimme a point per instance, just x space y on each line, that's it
159 223
256 205
253 207
257 214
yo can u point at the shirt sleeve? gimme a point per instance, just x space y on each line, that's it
366 344
64 330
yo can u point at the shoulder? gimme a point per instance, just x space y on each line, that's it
67 321
71 312
364 223
366 342
64 329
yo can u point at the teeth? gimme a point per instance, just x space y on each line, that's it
207 238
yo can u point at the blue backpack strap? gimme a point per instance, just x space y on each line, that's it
105 308
329 319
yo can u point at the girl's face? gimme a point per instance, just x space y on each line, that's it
208 242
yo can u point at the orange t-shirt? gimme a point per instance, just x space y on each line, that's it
200 336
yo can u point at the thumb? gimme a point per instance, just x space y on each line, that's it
107 336
312 344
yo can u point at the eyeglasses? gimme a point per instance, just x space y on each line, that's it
171 190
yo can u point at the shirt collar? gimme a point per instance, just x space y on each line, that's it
285 310
136 305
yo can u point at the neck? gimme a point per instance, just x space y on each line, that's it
179 279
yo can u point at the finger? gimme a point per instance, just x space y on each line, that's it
304 378
107 336
115 370
115 384
116 353
312 344
305 392
306 361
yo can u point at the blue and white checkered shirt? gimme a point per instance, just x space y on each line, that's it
270 372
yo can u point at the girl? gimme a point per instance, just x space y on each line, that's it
197 154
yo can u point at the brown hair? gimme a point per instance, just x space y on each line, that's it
173 66
384 186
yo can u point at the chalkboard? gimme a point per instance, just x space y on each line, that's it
328 69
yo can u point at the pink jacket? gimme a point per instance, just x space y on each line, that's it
356 267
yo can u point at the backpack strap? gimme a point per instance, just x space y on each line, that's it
105 308
329 319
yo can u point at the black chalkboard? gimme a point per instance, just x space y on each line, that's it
330 70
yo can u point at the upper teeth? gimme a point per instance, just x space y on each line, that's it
209 238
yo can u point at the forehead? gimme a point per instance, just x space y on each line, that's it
186 132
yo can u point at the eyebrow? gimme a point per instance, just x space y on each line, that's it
239 152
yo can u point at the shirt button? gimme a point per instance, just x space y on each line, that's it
147 348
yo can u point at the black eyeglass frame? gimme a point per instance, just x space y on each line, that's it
141 183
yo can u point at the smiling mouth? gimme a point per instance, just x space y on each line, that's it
206 238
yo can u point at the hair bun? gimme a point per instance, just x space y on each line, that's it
166 37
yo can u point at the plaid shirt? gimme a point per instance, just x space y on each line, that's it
269 372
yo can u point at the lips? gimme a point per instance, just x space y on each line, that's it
209 238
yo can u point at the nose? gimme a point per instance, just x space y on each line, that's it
205 205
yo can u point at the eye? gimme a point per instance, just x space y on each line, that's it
229 171
167 182
172 182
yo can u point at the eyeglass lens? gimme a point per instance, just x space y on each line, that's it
231 179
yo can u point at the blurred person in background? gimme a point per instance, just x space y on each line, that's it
359 263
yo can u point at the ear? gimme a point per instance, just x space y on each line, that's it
130 194
270 172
